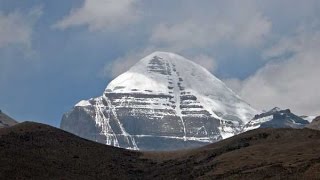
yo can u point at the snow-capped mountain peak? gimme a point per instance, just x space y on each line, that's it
164 97
276 118
163 72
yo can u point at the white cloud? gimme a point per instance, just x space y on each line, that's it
184 35
17 27
101 15
291 82
16 35
240 23
233 83
122 64
206 61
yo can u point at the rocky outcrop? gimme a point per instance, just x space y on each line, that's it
6 121
315 124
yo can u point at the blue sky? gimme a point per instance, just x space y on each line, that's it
56 53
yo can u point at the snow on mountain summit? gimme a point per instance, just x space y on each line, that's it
169 68
163 102
143 76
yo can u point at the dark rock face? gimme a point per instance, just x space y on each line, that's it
277 118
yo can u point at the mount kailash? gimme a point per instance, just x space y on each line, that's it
164 102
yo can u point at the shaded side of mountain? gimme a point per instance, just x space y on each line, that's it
6 121
37 151
315 124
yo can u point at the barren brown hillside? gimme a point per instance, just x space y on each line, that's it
36 151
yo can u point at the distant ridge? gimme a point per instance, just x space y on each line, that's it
276 118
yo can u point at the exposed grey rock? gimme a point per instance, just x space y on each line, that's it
6 121
315 124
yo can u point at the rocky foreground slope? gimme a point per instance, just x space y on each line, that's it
164 102
36 151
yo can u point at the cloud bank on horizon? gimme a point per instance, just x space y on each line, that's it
265 51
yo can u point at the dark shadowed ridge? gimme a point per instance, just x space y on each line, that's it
37 151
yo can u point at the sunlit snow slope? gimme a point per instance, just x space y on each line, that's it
163 102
